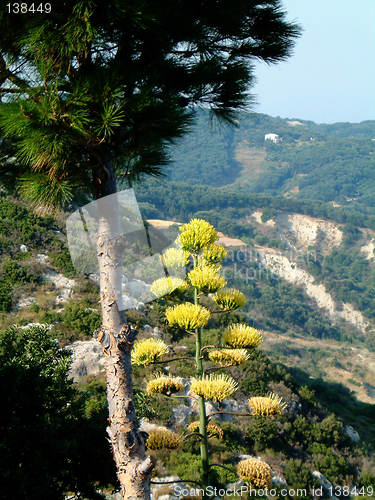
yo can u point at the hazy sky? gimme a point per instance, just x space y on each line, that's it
331 76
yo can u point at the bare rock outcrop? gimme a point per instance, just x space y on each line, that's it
87 359
281 266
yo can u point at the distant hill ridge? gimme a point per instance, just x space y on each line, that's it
326 162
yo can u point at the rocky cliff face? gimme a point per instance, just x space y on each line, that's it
282 266
301 234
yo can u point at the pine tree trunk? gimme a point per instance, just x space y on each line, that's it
116 337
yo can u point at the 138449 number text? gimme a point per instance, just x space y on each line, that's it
346 491
24 8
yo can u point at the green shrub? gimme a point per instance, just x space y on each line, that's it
334 467
267 214
254 387
307 396
184 465
63 262
261 240
48 444
367 479
231 438
298 475
15 273
34 307
79 319
330 432
276 243
51 317
223 476
262 433
6 289
300 431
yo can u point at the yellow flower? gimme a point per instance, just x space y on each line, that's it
148 351
229 299
175 258
161 384
242 336
188 316
206 278
255 472
161 438
267 406
213 430
197 234
215 253
214 387
169 287
229 357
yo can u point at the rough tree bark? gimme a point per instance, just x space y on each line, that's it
128 443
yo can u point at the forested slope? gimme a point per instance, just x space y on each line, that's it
323 162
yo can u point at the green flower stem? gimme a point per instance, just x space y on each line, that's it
169 360
193 434
224 467
229 413
207 347
204 443
201 404
223 311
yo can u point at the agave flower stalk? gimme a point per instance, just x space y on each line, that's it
197 239
201 404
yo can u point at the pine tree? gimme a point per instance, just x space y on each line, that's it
92 93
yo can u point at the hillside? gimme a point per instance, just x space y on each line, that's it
320 359
330 163
306 266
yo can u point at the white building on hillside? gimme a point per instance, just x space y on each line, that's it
272 137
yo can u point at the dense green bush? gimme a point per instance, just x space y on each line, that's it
61 259
298 475
15 273
299 431
334 467
262 433
183 464
18 225
11 273
6 289
330 432
261 239
49 443
80 319
268 214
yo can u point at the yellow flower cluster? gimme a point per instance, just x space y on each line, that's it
229 357
175 258
161 384
267 406
188 316
197 234
206 278
148 351
215 387
242 336
215 253
168 286
255 472
229 299
213 430
160 438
